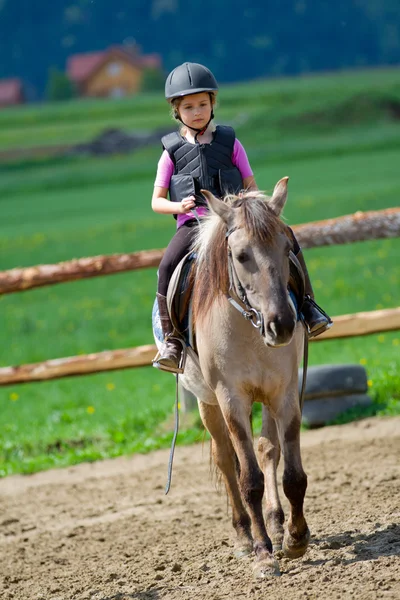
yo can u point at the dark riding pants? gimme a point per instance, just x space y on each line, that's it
180 245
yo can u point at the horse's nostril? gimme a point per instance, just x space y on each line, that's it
272 328
277 327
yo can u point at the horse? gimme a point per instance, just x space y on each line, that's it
250 344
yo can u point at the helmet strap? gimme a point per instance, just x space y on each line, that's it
198 131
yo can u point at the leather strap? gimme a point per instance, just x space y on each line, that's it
305 364
173 444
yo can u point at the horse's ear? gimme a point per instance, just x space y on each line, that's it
278 198
217 206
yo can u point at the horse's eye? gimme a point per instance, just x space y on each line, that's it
242 257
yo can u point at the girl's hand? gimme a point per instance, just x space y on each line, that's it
186 204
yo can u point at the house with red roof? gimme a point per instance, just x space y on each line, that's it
115 72
11 92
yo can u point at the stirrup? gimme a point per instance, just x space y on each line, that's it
181 367
324 326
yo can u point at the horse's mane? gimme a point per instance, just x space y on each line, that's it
261 224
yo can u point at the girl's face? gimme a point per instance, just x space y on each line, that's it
195 110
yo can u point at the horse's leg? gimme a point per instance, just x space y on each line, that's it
269 452
297 534
251 480
224 457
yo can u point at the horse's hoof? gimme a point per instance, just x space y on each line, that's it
242 550
277 544
295 548
266 568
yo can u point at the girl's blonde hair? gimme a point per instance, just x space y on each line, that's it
175 103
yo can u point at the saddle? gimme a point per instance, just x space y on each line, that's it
179 298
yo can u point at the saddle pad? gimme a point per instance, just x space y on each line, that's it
156 322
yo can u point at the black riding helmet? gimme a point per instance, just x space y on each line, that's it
189 78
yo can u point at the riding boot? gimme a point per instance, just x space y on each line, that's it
169 357
315 318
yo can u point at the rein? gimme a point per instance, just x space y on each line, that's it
305 365
256 318
173 443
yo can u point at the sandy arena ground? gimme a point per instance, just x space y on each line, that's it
106 531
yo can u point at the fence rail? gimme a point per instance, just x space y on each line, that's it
361 226
363 323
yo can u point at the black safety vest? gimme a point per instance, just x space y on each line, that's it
203 166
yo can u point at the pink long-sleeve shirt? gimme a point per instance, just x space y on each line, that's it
165 170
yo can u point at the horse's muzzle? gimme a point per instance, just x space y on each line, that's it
279 330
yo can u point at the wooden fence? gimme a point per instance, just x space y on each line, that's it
361 226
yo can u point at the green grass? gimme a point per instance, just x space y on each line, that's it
53 210
65 422
268 107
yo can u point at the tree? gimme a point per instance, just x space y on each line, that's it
59 86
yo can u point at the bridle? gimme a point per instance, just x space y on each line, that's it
255 317
249 313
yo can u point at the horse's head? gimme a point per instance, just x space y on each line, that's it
258 248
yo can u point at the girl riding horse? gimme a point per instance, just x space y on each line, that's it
201 156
